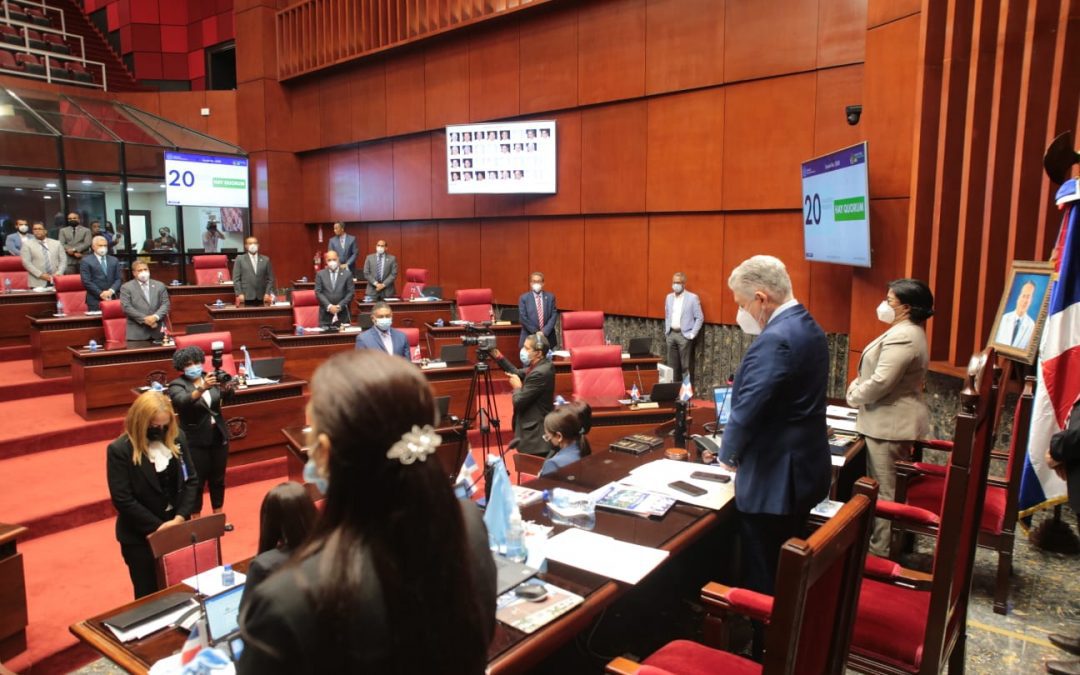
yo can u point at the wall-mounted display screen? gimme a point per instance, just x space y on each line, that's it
836 203
205 180
501 158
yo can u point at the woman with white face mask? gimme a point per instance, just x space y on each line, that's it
889 390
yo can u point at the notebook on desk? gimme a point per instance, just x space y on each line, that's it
155 608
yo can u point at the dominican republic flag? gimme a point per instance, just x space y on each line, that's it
1059 364
686 391
192 646
468 478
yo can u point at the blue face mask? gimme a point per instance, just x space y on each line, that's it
311 475
384 323
526 356
193 372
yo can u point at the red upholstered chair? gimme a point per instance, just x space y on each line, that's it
71 292
597 372
415 278
11 268
582 329
172 548
203 341
809 620
413 334
922 485
207 268
114 321
305 309
474 304
913 622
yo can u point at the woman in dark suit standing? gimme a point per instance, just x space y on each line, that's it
286 518
197 397
152 483
397 576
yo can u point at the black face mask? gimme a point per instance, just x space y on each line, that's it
73 223
155 433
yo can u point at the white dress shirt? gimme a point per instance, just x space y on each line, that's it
675 320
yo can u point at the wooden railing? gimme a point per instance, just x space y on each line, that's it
316 34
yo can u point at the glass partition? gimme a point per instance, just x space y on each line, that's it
31 196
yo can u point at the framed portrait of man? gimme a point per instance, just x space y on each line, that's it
1022 311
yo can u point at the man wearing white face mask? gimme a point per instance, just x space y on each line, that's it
682 323
253 277
380 270
100 274
776 437
334 288
383 336
16 239
145 302
889 390
534 394
536 310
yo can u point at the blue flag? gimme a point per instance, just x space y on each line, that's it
500 506
247 363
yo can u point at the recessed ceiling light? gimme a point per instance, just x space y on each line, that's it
48 197
87 182
50 185
131 189
162 186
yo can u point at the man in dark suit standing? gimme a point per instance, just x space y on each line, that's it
776 438
253 277
145 302
345 246
75 238
383 336
536 310
534 394
100 274
334 289
380 270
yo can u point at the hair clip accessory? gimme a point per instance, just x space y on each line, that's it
415 444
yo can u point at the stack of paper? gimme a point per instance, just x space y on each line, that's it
209 582
657 476
602 555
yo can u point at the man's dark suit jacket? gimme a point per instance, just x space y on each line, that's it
203 425
340 294
346 254
776 434
136 493
252 284
1065 447
372 339
95 281
532 403
530 324
371 274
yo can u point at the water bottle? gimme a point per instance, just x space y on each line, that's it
59 308
93 345
228 577
221 277
439 322
635 396
7 285
273 298
299 330
515 539
566 507
412 293
559 400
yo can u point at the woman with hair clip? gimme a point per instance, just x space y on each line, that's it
565 429
397 576
286 518
152 483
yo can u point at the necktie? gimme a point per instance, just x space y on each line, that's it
380 268
48 262
333 279
539 310
388 342
1016 331
146 292
255 264
104 267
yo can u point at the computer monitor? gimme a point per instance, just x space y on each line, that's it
722 398
510 314
223 613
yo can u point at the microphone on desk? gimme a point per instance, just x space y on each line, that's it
195 563
641 387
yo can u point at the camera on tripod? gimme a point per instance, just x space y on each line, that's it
481 337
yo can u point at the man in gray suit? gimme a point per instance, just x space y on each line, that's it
253 277
145 302
682 323
75 238
380 270
345 246
334 288
42 257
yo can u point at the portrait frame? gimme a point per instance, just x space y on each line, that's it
1022 273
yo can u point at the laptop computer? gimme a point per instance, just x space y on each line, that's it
722 398
442 407
432 291
511 314
509 574
453 354
222 613
665 392
271 368
640 346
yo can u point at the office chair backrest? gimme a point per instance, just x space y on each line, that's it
597 372
11 268
582 329
415 279
70 291
207 268
114 322
474 304
178 558
305 308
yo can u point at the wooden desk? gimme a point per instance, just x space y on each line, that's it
506 339
101 380
187 303
251 326
309 285
636 370
16 308
413 314
50 337
304 353
13 616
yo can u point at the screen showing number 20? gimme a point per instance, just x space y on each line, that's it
177 178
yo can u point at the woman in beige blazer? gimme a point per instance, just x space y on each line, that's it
889 390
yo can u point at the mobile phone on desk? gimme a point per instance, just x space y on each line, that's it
687 488
709 475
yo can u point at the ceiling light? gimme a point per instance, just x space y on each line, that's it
50 185
131 189
87 182
48 197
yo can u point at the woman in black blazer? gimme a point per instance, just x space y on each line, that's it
285 519
152 483
197 398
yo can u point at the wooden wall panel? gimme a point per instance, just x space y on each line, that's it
618 286
504 258
260 197
776 234
443 204
500 206
768 132
836 89
684 44
446 78
459 255
888 237
549 61
405 111
257 56
336 124
567 198
301 129
769 38
693 245
494 73
251 119
879 12
222 122
420 248
376 162
344 180
557 249
841 32
367 100
388 232
685 151
314 170
888 107
412 177
611 51
830 296
284 188
613 158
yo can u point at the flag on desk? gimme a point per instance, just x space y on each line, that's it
686 391
249 371
468 477
192 646
1058 367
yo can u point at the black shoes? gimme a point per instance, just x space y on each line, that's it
229 527
1063 667
1070 643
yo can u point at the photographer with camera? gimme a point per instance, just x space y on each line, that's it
384 336
197 397
534 394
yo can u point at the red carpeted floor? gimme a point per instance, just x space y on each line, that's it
18 380
48 423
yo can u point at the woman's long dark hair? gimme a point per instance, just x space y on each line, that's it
286 518
403 516
573 421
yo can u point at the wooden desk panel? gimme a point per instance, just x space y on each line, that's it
51 336
636 370
506 339
13 613
101 380
413 314
16 308
305 285
304 353
252 326
188 303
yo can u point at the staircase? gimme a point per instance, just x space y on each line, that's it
97 48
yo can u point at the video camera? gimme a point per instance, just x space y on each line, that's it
479 335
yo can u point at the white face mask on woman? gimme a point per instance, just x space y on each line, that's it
885 312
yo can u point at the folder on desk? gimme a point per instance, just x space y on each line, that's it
124 621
